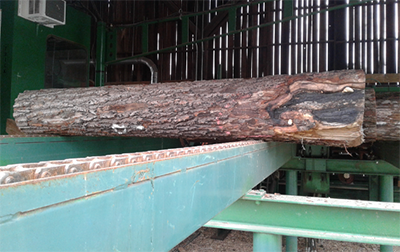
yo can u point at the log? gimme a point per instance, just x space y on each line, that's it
314 108
381 116
369 124
388 116
12 128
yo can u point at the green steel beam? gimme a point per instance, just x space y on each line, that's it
386 195
147 206
291 182
379 89
388 151
287 8
145 38
291 189
15 150
185 29
368 167
321 218
386 248
267 242
175 18
100 53
373 188
232 19
386 188
111 45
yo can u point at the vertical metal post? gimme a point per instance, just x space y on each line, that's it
231 41
291 182
184 54
373 188
291 189
185 29
145 38
232 19
287 8
219 72
100 53
386 195
267 242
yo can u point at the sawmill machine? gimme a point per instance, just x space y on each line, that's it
72 190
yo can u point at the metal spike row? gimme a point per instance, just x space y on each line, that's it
11 174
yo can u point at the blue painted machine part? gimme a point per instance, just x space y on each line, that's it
150 206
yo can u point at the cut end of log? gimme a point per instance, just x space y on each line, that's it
12 128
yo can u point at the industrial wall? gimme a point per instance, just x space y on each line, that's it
23 51
352 34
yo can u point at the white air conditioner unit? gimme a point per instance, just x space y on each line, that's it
45 12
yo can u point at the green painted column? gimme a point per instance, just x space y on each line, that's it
185 29
373 188
100 53
267 242
232 19
291 189
291 182
145 38
287 8
386 195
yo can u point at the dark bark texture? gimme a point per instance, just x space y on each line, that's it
388 116
369 124
315 108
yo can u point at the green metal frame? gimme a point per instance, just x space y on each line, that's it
231 32
388 151
291 189
23 52
367 167
145 37
322 218
379 89
101 52
112 210
386 195
267 242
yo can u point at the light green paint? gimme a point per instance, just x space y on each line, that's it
321 218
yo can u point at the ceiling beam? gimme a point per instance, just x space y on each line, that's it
174 8
217 21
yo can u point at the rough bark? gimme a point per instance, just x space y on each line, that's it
315 108
388 116
369 124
